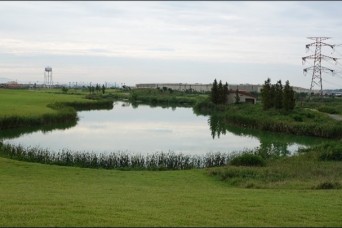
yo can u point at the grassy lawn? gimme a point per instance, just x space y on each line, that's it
45 195
34 103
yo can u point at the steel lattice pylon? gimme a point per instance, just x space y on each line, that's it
317 68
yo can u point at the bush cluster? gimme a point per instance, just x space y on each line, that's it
248 159
331 152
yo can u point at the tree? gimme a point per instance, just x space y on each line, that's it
97 88
214 92
272 95
266 95
103 89
278 96
220 93
225 92
288 98
65 89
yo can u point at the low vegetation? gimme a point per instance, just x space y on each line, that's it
317 167
119 160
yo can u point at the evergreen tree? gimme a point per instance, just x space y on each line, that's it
288 99
214 92
220 93
225 92
103 89
266 97
278 96
97 88
272 95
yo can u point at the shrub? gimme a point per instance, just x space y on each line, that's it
297 118
331 154
248 159
329 110
328 185
65 89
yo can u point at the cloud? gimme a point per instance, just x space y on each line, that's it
209 33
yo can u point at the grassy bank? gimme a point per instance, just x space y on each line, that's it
24 108
47 195
301 121
318 167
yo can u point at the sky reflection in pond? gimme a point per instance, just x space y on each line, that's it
144 130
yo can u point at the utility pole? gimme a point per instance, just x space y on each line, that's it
317 68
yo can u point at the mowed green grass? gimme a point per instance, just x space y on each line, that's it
31 102
45 195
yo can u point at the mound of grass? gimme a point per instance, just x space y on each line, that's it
248 159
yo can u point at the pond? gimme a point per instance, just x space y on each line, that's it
144 129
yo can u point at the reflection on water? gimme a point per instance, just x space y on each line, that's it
279 144
15 133
145 129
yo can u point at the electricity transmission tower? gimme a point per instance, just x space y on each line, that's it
317 68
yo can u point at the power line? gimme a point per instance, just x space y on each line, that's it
317 57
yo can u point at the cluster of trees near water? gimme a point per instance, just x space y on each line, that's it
219 93
277 96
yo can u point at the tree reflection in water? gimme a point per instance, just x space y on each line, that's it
271 144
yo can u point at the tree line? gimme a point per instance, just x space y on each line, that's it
277 96
98 88
219 92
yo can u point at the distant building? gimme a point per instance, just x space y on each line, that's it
13 84
244 97
207 87
197 86
178 86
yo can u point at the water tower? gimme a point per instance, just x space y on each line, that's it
48 77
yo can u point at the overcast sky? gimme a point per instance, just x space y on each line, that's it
166 41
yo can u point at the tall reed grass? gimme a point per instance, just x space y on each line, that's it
119 160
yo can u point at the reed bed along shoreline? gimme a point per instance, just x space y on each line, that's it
116 160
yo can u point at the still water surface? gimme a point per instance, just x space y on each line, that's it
146 130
